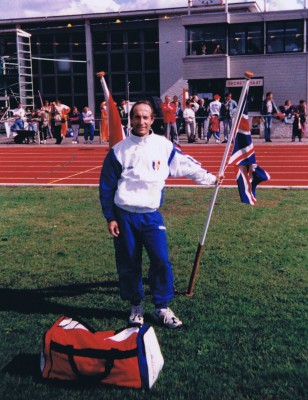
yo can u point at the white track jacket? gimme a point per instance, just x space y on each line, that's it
135 170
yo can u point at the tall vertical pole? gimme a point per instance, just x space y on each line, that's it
235 122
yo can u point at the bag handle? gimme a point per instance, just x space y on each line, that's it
98 377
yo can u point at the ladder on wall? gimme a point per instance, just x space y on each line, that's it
24 62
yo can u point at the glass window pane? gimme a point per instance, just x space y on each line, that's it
133 39
135 82
237 40
213 37
64 84
255 39
152 82
118 62
80 84
48 85
134 61
48 67
151 60
62 43
151 39
294 36
116 40
118 83
46 44
100 41
78 41
275 37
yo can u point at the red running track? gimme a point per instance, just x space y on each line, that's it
80 165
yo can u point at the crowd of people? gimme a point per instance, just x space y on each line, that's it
203 119
54 120
199 119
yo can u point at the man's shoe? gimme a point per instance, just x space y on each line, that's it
165 316
136 316
225 141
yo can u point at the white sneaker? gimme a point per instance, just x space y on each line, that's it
136 316
217 141
165 316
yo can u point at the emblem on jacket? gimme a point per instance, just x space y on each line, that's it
156 165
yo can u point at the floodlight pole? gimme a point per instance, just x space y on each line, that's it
235 122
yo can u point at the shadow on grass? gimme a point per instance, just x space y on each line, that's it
25 365
41 301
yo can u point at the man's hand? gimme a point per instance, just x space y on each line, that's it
113 228
220 178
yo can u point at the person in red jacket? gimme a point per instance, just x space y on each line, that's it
169 118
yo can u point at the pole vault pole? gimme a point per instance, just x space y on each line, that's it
236 119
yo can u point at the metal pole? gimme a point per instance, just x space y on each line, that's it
239 111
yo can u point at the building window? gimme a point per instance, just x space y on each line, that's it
206 39
284 36
246 39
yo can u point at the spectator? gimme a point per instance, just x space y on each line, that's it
46 108
215 105
299 123
213 129
123 111
43 115
203 49
55 123
190 121
287 109
227 110
88 125
63 110
18 114
179 117
74 118
104 137
268 110
131 184
176 99
217 49
169 118
201 118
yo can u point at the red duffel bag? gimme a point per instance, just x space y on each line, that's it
73 351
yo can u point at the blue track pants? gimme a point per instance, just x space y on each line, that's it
138 230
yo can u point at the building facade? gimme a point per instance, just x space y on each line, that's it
149 54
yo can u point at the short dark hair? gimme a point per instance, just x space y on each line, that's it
146 102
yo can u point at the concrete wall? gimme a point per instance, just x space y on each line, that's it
171 53
284 74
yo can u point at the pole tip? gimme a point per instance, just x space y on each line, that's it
248 74
100 74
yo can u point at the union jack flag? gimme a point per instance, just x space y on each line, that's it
248 173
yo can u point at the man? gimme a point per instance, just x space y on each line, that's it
201 118
169 118
18 114
214 112
268 110
122 108
226 113
131 186
63 111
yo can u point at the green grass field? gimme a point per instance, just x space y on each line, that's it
245 333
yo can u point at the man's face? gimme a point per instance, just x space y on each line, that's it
142 120
167 99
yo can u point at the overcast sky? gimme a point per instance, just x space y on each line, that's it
40 8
